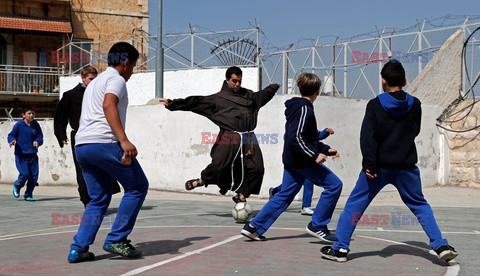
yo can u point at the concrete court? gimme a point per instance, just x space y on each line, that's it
185 234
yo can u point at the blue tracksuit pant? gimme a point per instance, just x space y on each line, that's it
408 184
27 166
291 184
99 163
307 192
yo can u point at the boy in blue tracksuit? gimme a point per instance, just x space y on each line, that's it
307 185
391 123
26 136
303 156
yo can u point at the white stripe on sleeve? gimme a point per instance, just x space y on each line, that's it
301 124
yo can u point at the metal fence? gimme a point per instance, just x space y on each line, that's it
17 79
349 68
211 49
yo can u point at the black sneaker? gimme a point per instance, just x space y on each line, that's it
123 248
324 235
335 255
446 253
251 233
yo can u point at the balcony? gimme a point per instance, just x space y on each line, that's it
23 80
28 85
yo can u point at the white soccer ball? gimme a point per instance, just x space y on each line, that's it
242 212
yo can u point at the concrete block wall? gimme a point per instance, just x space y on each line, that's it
171 149
177 84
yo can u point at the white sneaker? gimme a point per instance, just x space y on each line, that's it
306 211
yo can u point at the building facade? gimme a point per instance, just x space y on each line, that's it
40 40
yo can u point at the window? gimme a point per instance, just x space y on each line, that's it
80 54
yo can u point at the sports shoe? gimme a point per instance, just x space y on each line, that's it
323 235
30 198
306 211
446 253
15 192
251 233
237 199
270 193
329 253
123 248
76 257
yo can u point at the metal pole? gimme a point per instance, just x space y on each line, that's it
285 74
345 72
192 47
334 60
159 56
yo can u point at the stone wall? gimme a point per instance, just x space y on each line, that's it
464 146
59 10
172 149
106 22
440 82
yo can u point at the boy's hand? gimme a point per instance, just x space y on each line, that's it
333 153
330 130
35 144
370 174
13 143
65 142
129 149
321 158
165 101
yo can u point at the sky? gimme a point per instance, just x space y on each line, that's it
284 22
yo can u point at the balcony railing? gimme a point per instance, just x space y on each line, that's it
19 79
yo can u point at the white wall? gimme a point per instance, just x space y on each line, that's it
177 84
170 148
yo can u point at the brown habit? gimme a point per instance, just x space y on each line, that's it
233 112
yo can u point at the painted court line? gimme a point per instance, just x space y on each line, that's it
36 231
148 267
452 269
25 234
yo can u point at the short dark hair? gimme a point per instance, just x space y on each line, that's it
393 73
120 52
88 70
308 83
234 70
27 108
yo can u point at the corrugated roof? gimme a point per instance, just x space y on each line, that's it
34 24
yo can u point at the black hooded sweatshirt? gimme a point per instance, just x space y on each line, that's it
391 123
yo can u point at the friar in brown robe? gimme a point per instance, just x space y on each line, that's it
235 110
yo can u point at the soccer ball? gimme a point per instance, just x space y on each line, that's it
242 212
